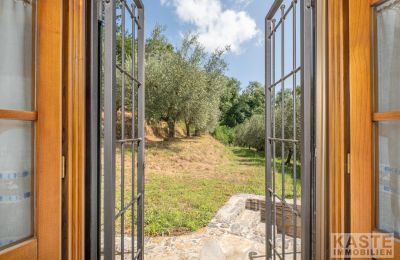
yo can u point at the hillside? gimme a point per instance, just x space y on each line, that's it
189 179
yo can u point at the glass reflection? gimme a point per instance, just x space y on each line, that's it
16 52
389 176
16 142
388 39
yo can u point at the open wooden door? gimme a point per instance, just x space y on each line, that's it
30 129
374 76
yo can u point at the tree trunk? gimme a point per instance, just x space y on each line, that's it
171 128
197 132
289 157
187 129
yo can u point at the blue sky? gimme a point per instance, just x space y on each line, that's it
238 23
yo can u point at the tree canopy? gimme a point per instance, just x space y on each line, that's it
188 85
183 84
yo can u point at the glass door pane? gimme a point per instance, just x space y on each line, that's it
388 61
17 79
16 175
16 52
388 148
387 133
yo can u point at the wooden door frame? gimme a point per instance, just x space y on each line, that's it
321 115
350 88
49 128
338 120
74 136
361 139
349 113
46 242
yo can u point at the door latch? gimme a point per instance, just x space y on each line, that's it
63 167
348 163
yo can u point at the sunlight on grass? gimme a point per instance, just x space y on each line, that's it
186 183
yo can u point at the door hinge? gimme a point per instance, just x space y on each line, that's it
348 163
63 167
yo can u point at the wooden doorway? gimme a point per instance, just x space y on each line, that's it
374 117
30 117
362 116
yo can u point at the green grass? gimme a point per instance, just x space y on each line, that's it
185 185
177 205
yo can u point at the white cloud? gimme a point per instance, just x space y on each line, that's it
243 2
216 27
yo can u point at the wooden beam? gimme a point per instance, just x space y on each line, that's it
338 124
386 116
18 115
74 129
49 137
20 251
322 202
375 2
362 181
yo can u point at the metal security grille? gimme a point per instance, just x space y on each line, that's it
288 88
124 93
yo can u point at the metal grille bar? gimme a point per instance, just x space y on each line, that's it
283 16
126 73
92 142
141 133
284 203
109 129
283 127
290 74
282 140
280 21
130 12
133 145
134 140
307 148
127 207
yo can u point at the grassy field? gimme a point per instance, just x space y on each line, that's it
189 179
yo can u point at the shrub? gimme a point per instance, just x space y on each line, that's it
224 134
251 133
128 125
